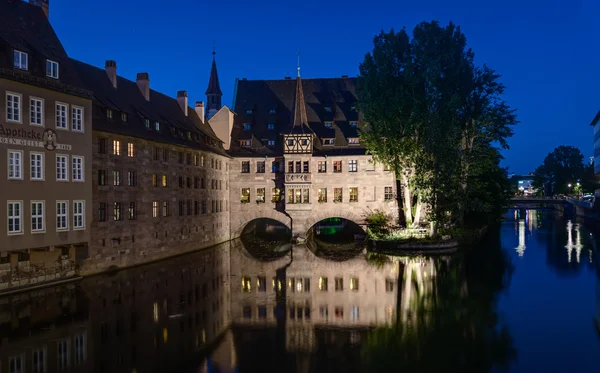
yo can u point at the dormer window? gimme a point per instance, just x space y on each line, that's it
147 123
353 124
247 126
20 60
249 111
52 69
123 117
271 143
271 126
109 113
353 141
157 126
272 111
328 141
304 142
328 109
245 143
328 124
290 142
189 135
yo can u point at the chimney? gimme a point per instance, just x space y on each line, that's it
44 4
143 83
182 100
200 109
111 70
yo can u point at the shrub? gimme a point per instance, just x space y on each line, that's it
378 223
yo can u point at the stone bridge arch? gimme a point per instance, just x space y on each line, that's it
239 221
302 229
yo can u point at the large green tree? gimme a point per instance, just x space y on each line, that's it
431 114
561 167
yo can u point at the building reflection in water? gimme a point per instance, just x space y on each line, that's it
573 245
297 313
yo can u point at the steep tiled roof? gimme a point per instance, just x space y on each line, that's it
126 98
263 102
24 27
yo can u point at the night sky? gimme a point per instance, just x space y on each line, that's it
548 52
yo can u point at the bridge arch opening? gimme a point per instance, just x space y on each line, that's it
266 239
336 238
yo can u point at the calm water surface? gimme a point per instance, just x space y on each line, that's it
527 299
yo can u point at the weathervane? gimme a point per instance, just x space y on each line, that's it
298 63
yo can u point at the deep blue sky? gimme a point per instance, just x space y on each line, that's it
546 51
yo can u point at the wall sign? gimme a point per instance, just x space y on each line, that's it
48 139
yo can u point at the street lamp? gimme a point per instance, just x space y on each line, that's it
569 188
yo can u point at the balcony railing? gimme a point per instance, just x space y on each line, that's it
298 178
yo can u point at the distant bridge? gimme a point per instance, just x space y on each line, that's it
535 203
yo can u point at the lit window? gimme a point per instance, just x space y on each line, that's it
352 165
245 197
61 116
123 117
164 181
271 126
116 178
353 141
15 216
37 216
155 209
77 118
116 147
260 195
13 107
354 282
388 194
247 126
353 194
117 211
337 195
20 60
131 211
324 312
275 195
130 149
157 126
36 166
246 284
61 168
353 123
322 166
77 168
15 164
52 69
78 214
36 111
322 197
147 123
328 124
323 283
154 180
261 284
62 215
165 209
354 313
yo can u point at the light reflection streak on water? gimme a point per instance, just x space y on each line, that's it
570 245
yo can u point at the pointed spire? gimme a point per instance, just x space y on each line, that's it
213 83
300 117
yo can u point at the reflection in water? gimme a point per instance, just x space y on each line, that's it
240 308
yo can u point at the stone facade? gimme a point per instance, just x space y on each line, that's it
190 184
369 179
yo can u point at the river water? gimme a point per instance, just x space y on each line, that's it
526 299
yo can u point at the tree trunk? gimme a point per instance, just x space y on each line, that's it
407 199
418 212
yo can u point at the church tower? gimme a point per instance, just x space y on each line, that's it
213 92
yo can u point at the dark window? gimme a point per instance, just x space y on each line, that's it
102 211
101 177
189 182
260 167
245 167
102 145
131 178
275 166
204 207
180 178
180 208
180 157
155 153
165 154
188 158
305 169
196 182
196 207
202 185
291 167
298 167
189 207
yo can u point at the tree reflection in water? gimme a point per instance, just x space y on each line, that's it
448 321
